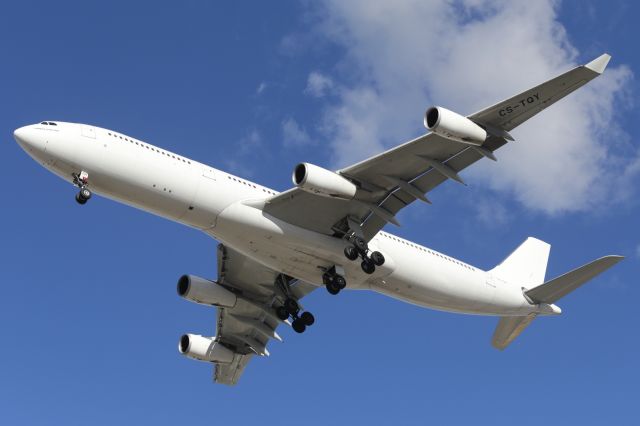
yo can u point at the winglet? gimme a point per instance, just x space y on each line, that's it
599 64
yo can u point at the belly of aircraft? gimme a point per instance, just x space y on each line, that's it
295 251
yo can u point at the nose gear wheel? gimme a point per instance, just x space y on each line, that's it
81 180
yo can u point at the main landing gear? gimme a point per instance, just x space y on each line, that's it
81 180
360 249
291 308
333 280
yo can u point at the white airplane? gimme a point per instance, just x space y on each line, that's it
278 247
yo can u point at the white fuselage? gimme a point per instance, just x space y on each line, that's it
228 208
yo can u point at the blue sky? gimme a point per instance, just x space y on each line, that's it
89 314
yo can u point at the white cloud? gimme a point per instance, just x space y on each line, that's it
318 85
261 87
248 146
491 213
465 55
293 134
249 142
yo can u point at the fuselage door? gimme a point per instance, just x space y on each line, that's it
88 131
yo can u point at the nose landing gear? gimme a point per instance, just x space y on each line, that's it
81 180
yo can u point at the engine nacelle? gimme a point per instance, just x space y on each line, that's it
453 126
205 292
203 348
323 182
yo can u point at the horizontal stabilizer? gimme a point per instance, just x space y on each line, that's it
508 329
553 290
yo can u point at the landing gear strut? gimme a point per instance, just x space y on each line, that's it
81 180
291 308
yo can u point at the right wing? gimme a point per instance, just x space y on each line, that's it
395 178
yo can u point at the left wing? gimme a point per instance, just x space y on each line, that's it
251 323
394 179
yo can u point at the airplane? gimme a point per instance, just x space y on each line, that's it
326 231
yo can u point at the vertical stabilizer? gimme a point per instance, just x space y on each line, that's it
527 265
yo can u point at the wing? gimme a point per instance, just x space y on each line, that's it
247 327
399 176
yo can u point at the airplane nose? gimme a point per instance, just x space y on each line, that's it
28 138
20 135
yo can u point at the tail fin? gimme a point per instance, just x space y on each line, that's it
527 265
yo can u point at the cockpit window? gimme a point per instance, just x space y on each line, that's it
48 123
51 123
45 123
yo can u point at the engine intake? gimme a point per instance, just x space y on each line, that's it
319 181
205 292
453 126
203 348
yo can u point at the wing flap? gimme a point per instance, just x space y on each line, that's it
426 182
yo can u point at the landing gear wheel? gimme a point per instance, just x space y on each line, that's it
333 288
85 193
282 313
298 325
368 267
80 200
377 258
83 196
326 279
360 244
307 318
350 253
291 306
340 282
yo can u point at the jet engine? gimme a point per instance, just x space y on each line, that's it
453 126
205 292
203 348
323 182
